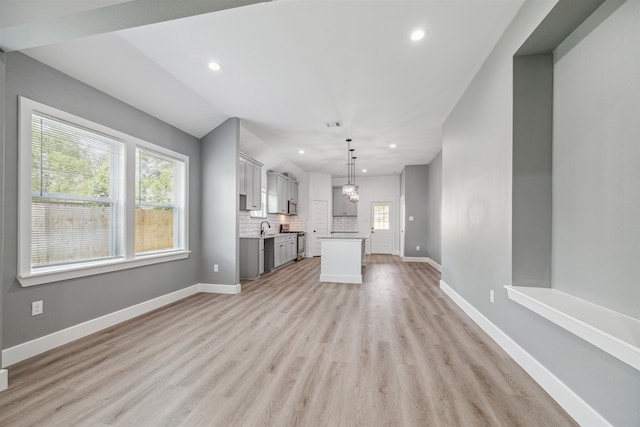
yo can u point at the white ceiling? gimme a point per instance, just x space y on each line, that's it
291 65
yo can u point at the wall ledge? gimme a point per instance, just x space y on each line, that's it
610 331
572 403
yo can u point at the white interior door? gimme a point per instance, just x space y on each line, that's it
402 225
319 225
381 228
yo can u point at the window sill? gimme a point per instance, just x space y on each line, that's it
66 273
610 331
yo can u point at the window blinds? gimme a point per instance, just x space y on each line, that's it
76 180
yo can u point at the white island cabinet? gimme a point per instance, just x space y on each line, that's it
342 258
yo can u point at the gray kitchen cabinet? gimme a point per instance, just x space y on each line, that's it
342 206
284 249
281 189
251 258
292 190
250 183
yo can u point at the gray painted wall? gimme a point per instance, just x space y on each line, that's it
220 204
476 232
71 302
532 131
415 199
2 192
596 156
434 208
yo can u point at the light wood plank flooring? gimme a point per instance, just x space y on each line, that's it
287 351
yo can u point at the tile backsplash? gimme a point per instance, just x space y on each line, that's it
297 223
251 226
344 223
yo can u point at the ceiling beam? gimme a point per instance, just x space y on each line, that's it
107 19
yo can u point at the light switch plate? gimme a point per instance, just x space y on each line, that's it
410 218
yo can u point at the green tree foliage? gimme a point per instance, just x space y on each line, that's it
154 178
66 160
64 163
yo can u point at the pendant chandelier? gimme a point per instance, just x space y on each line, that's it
349 190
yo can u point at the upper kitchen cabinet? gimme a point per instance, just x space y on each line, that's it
342 206
250 183
293 189
282 194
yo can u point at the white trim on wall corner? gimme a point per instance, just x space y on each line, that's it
4 379
571 402
37 346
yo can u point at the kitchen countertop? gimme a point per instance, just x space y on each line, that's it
266 236
343 236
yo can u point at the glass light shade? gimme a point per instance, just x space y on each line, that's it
348 189
354 197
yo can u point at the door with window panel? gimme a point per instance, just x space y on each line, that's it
381 228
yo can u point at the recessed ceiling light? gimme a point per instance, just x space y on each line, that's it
301 151
417 35
214 66
392 145
364 170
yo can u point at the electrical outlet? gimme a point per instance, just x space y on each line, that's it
36 308
491 295
215 268
417 248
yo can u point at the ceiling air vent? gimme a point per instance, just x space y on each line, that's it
334 124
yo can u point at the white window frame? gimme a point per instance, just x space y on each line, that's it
179 189
26 275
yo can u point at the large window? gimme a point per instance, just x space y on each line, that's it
157 211
76 208
93 199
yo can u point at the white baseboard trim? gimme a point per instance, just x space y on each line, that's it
211 288
37 346
426 259
4 379
434 264
415 259
571 402
341 278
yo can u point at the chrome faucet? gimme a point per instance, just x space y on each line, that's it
261 227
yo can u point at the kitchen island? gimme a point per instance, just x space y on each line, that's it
342 258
